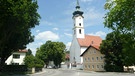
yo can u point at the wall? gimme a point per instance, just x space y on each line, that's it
11 60
93 60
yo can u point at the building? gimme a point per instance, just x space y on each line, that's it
93 60
80 41
17 58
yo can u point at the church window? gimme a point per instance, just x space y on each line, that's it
80 24
80 31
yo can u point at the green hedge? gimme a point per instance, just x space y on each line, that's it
15 68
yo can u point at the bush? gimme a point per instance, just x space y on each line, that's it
113 68
31 61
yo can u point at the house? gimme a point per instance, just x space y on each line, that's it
17 58
93 60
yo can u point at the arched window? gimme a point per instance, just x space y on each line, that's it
80 24
80 31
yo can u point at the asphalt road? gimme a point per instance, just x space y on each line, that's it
67 72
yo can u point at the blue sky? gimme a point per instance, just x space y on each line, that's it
56 21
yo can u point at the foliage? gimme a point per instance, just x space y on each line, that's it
51 51
112 49
119 46
32 61
29 52
16 20
121 15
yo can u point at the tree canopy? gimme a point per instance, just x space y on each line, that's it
17 17
119 45
51 51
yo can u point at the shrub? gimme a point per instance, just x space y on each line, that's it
31 61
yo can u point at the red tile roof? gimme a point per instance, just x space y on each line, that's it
23 51
89 40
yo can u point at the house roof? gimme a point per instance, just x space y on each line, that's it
94 46
23 51
89 40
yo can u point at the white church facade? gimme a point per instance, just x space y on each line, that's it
80 41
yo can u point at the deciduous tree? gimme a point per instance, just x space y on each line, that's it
17 17
121 19
51 51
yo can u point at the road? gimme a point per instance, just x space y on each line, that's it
67 72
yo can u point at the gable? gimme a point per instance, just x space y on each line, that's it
91 46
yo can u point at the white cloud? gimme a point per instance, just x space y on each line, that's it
33 46
99 33
55 29
68 45
47 35
67 34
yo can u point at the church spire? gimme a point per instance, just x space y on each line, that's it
77 5
77 12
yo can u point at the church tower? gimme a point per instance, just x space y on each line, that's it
78 30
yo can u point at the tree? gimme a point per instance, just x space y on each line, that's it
29 52
121 19
51 51
112 49
17 17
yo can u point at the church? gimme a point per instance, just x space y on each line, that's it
80 41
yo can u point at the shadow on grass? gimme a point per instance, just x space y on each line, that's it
13 74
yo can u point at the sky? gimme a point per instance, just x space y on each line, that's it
56 21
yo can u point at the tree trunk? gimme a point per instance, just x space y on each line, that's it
3 58
2 63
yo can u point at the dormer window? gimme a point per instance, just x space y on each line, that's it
92 42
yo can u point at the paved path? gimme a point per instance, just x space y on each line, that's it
71 72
